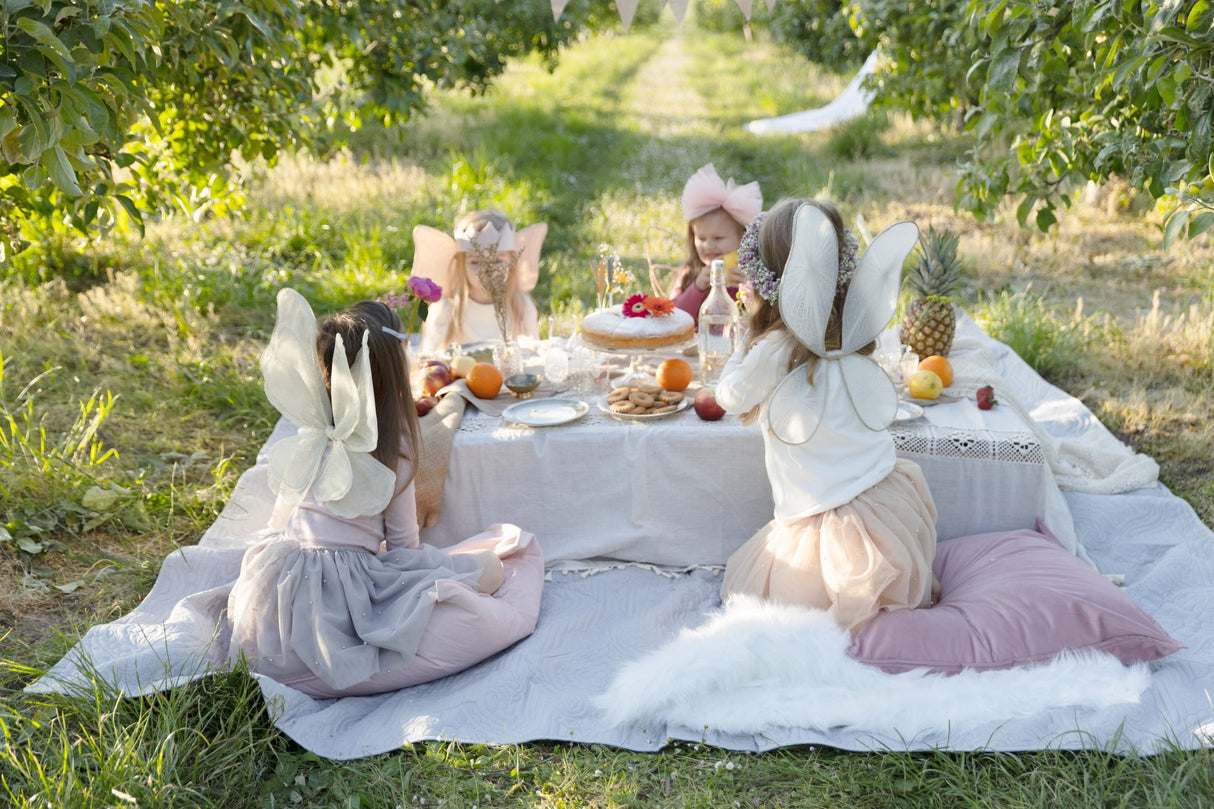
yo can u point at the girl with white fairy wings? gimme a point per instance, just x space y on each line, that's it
854 528
338 597
467 312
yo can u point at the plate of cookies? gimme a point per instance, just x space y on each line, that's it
643 402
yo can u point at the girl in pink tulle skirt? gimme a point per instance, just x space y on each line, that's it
854 526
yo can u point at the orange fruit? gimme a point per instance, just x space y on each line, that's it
674 374
484 380
924 385
941 366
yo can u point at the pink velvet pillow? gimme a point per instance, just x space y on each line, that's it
1011 598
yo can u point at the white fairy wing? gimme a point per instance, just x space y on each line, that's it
795 409
349 480
807 287
291 367
433 251
871 393
352 482
872 297
529 242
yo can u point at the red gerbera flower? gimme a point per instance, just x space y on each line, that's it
635 306
659 306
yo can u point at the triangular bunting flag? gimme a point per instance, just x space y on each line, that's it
628 9
679 7
558 6
771 5
746 6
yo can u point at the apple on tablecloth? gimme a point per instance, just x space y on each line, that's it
705 404
461 365
424 404
434 376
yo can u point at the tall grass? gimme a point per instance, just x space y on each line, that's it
1047 341
173 327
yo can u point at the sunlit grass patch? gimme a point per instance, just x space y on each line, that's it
1048 342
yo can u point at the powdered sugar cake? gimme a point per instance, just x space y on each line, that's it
611 328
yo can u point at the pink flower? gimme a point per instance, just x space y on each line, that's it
635 306
419 289
425 289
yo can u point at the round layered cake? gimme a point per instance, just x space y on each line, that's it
611 328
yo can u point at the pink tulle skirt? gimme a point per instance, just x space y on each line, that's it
874 553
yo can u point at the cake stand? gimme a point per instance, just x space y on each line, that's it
637 373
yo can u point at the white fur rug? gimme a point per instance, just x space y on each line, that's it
755 665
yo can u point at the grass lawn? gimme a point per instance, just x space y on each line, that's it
131 402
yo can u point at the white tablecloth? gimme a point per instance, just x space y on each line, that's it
681 491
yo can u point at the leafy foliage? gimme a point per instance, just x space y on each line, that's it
926 51
113 111
1090 90
819 30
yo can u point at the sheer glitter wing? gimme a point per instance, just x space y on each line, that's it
807 290
330 455
529 242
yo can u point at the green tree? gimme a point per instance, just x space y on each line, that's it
926 51
1089 90
131 108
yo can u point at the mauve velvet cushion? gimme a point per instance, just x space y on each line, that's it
1011 598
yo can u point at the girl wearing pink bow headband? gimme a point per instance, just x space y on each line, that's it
717 213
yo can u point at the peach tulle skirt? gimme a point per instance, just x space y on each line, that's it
874 553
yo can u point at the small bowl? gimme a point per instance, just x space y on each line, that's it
521 385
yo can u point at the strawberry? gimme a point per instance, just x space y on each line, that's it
986 398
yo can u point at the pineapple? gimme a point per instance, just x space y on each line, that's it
929 322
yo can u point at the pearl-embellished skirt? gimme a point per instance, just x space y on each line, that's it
336 620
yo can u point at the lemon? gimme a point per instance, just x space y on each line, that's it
924 384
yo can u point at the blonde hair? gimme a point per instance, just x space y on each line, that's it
516 298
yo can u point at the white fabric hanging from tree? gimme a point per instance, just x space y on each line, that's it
850 103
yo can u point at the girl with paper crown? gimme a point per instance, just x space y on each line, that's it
338 597
465 312
717 213
854 528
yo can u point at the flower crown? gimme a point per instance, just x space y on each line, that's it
764 279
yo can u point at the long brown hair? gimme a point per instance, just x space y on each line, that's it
775 243
396 414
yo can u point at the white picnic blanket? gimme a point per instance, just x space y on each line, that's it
592 626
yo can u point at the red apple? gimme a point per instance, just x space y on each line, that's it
424 404
705 404
461 365
435 376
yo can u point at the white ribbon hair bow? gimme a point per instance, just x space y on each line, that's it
807 292
349 480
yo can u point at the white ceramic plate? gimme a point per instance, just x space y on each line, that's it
605 406
545 412
908 411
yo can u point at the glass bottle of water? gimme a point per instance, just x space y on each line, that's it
719 327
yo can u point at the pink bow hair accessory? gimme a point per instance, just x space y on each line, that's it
706 191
